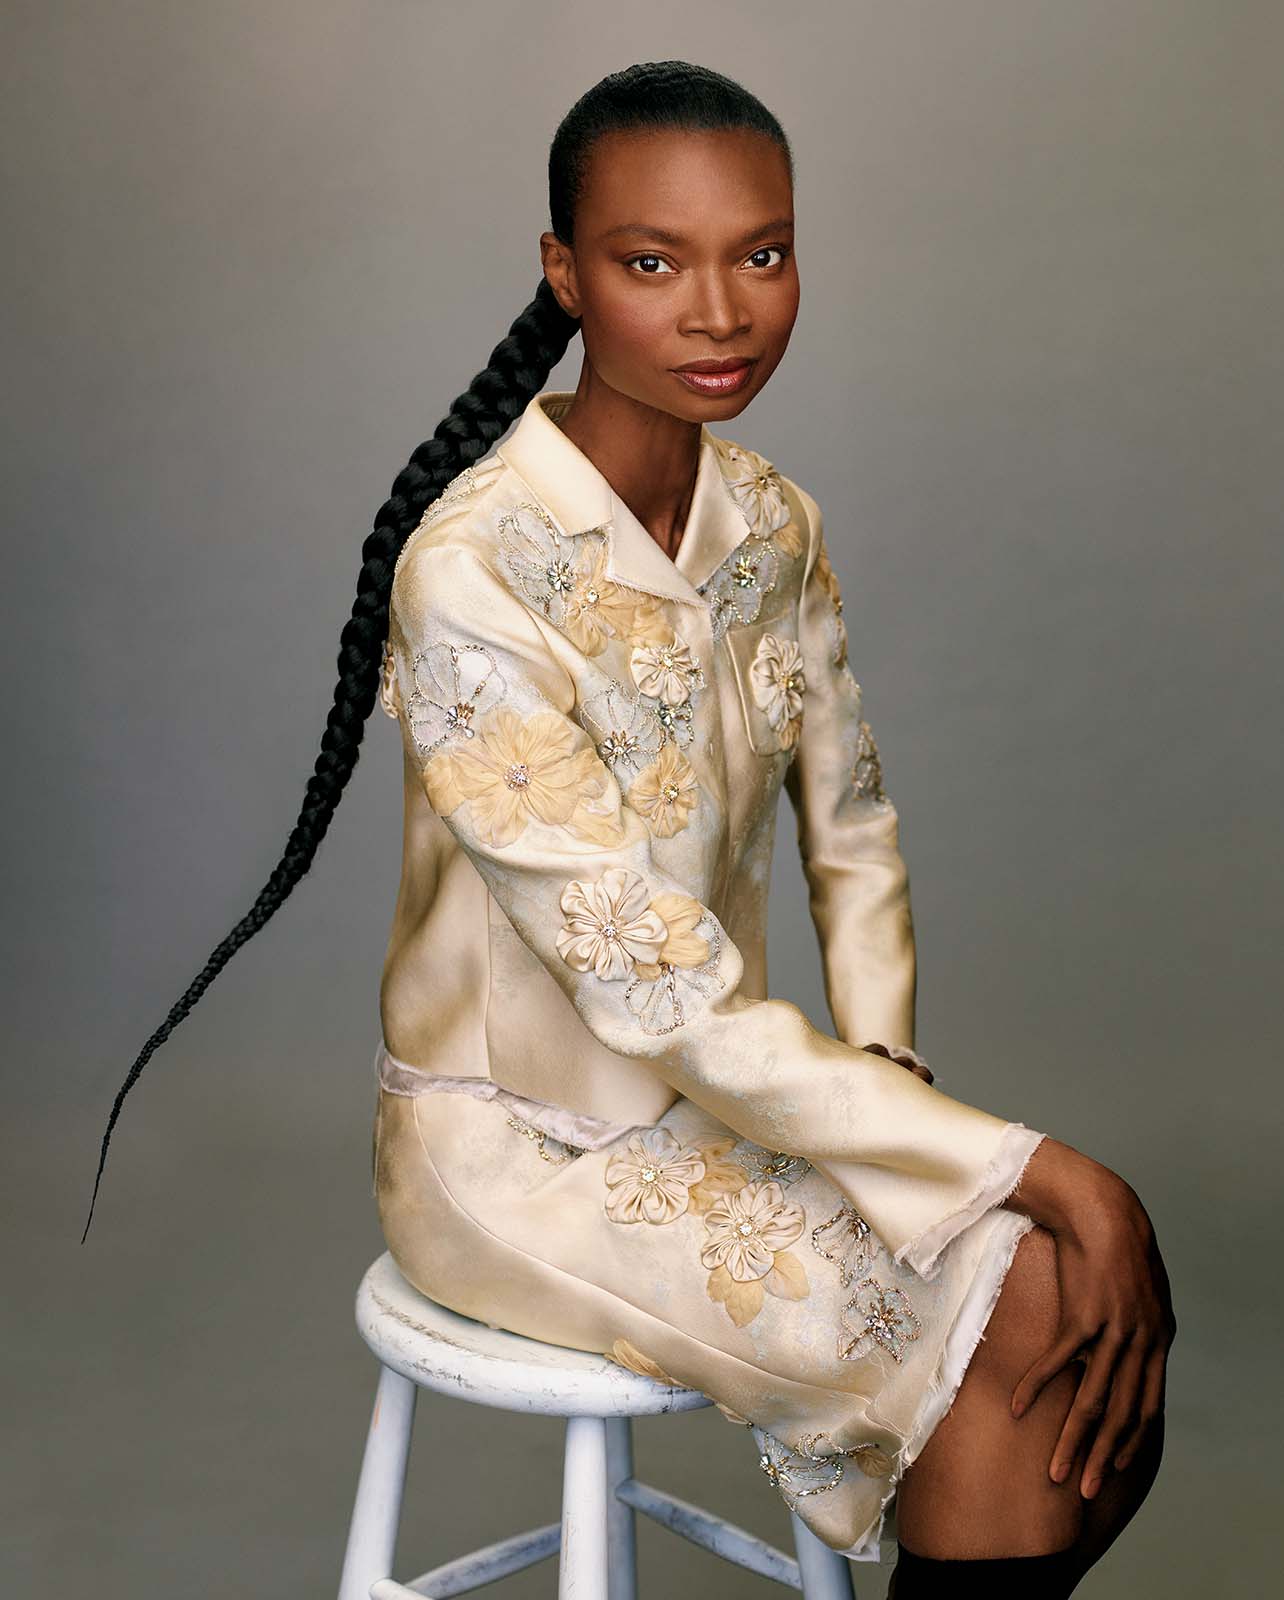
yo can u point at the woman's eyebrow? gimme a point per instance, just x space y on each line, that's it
667 237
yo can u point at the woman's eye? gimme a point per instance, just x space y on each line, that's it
648 272
766 251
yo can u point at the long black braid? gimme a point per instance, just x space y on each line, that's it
672 94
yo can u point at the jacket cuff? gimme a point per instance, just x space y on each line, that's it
1002 1175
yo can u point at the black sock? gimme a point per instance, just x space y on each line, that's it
1046 1577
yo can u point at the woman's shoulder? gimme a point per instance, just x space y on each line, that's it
758 483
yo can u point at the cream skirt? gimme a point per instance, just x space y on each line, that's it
692 1255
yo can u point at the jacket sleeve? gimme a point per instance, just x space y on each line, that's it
848 831
489 709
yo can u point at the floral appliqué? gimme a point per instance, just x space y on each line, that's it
757 488
666 792
828 580
517 770
615 929
565 576
651 1178
778 683
665 669
747 1237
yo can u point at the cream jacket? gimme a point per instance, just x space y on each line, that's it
595 739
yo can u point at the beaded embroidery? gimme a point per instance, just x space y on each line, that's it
541 1141
867 769
735 590
845 1239
808 1470
453 684
877 1316
771 1165
656 1002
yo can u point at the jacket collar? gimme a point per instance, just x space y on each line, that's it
581 499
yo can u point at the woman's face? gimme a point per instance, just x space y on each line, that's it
683 253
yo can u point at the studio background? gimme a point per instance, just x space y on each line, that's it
254 252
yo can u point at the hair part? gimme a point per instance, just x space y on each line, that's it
647 95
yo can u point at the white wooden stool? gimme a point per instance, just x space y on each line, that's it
423 1345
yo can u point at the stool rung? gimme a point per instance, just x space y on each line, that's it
711 1532
469 1572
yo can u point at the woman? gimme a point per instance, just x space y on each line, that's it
608 644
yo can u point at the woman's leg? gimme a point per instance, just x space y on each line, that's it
980 1488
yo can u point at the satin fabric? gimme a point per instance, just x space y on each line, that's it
595 737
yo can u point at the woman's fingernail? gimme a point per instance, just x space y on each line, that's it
1018 1408
1090 1487
1061 1471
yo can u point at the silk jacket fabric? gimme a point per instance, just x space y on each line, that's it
595 738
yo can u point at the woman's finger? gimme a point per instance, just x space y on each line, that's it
1059 1354
1152 1403
1088 1405
1121 1408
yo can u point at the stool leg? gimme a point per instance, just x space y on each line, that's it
372 1535
621 1519
582 1572
826 1574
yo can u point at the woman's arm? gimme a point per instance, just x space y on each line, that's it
848 831
648 966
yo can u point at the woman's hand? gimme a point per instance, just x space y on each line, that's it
909 1059
1116 1308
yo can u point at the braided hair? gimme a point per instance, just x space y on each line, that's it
648 95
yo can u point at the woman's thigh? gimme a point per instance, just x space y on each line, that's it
981 1487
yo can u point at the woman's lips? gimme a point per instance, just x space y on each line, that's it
716 382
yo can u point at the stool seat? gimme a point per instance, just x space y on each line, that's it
439 1349
423 1345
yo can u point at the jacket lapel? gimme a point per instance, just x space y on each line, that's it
581 500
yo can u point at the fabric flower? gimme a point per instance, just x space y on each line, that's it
649 1180
826 575
688 960
666 793
757 489
610 925
746 1229
778 684
516 770
631 1358
666 670
721 1176
746 1237
388 697
597 608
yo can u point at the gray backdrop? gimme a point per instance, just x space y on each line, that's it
254 251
